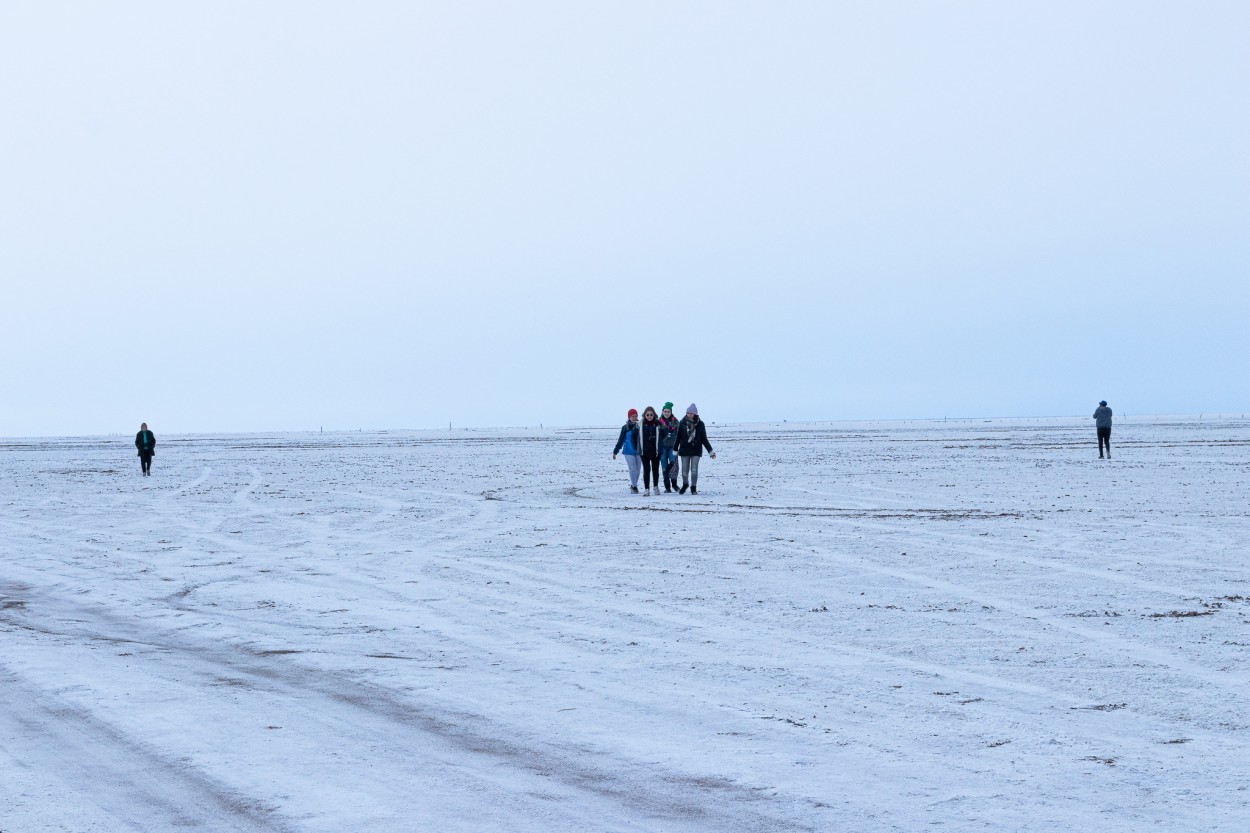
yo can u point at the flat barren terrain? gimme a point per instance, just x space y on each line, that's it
902 626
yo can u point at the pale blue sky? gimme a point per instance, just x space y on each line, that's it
260 216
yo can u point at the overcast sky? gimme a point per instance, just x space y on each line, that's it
261 216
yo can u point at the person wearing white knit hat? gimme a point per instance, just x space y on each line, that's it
691 440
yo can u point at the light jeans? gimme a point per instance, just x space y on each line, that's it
635 468
690 470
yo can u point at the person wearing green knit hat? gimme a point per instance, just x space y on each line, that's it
668 446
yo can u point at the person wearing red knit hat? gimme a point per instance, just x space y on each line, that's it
630 444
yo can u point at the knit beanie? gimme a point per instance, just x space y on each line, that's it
1103 403
668 405
632 412
692 409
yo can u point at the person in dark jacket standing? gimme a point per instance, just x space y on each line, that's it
650 450
630 443
668 447
145 442
1102 421
691 440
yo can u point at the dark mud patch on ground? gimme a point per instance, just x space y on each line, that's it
878 514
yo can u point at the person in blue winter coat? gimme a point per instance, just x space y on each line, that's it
630 444
1102 421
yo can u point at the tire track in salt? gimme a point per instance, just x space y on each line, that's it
547 591
1156 656
608 791
96 765
196 483
455 540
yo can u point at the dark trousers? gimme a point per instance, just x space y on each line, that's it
146 461
651 472
1104 439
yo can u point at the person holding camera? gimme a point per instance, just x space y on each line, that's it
1102 421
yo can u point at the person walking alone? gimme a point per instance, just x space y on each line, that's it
145 442
629 442
691 440
668 445
1102 421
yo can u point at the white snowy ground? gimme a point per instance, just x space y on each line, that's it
853 627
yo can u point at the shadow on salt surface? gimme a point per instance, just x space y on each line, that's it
829 512
379 713
705 506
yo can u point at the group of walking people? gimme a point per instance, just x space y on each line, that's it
661 448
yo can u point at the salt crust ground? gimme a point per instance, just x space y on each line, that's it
971 625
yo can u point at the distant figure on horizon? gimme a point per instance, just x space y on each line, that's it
145 441
630 442
1102 420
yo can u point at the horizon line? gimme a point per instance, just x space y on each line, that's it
1199 415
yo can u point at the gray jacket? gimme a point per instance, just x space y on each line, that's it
1102 416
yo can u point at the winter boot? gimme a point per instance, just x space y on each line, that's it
634 489
683 489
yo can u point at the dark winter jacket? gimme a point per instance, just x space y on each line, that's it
668 433
632 432
145 441
651 439
692 438
1102 416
